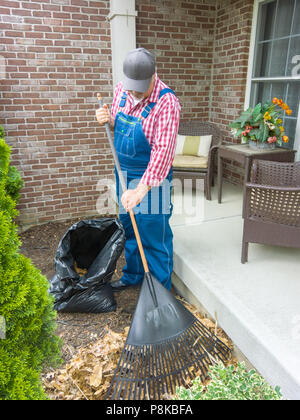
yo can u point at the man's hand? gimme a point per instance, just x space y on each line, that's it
103 116
131 198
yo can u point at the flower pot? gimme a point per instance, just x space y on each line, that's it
256 145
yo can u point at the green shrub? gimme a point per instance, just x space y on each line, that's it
25 304
228 383
12 179
14 183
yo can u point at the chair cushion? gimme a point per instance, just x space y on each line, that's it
193 145
190 162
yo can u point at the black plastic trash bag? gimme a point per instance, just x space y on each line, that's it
93 245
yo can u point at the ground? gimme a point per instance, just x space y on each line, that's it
92 343
40 243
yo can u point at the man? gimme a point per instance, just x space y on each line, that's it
145 116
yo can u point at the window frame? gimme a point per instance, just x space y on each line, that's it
252 53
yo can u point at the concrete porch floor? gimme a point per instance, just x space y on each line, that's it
258 303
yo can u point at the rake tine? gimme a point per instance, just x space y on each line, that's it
147 392
135 382
205 353
172 352
144 381
168 363
195 360
160 370
172 366
123 370
154 373
126 357
150 369
165 386
150 362
148 383
204 332
207 338
115 375
186 370
214 355
178 361
141 375
211 358
222 348
135 365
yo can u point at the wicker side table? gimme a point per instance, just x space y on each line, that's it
243 154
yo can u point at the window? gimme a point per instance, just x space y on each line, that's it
275 66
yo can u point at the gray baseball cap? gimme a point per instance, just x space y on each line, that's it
138 69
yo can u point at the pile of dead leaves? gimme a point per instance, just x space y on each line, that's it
89 374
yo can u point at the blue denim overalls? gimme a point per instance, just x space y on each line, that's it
153 213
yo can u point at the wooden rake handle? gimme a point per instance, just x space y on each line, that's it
124 188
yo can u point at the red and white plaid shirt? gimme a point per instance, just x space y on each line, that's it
160 128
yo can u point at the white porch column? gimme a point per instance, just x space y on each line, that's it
123 34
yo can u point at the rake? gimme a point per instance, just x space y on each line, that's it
166 345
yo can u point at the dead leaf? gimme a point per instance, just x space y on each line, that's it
96 377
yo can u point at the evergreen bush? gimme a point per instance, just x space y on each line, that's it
25 304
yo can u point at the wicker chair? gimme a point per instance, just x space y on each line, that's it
272 205
199 128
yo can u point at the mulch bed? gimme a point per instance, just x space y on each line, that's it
91 342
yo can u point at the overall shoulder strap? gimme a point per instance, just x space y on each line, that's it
151 105
165 91
148 108
123 100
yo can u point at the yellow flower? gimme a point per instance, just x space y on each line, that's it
281 129
285 139
267 116
279 121
289 111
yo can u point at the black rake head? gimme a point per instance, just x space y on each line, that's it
166 347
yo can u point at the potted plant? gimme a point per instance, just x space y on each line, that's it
261 127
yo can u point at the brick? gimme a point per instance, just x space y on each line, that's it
4 11
12 4
21 12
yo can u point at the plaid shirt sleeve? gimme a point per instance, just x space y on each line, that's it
163 149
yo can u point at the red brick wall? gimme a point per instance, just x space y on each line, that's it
181 34
230 66
58 55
